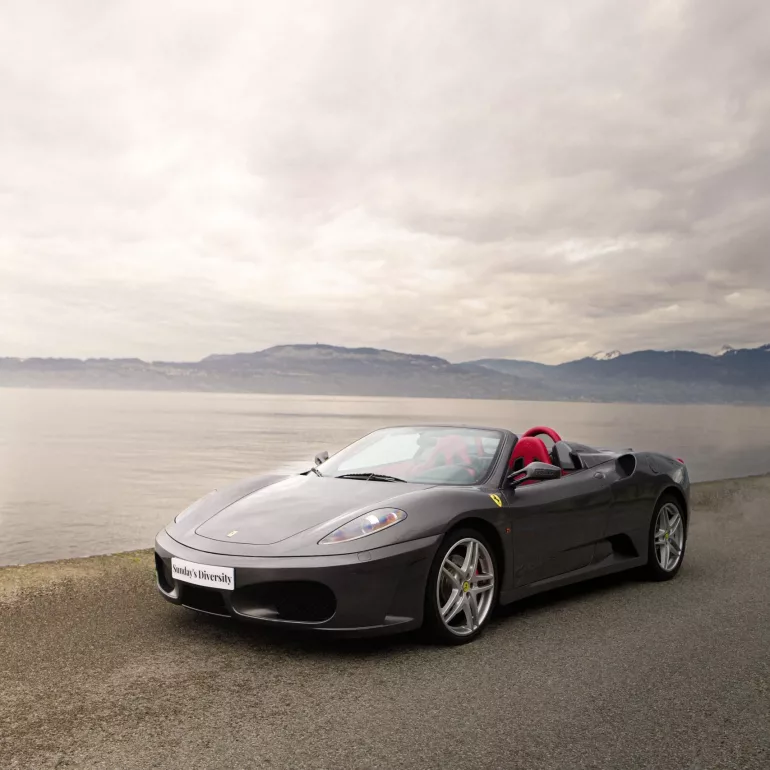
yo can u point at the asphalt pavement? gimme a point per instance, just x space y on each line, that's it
97 671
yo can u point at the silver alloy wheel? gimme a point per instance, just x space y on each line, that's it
466 586
669 537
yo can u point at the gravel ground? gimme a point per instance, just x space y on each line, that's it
97 671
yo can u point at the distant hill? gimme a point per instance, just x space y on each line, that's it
732 376
311 369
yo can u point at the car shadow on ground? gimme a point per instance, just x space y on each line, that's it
310 644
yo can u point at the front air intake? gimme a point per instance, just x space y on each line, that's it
207 600
165 581
299 601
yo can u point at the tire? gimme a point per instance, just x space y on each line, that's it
659 567
473 591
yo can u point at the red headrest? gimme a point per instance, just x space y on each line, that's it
530 450
542 430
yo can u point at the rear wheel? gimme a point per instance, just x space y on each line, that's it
462 588
667 539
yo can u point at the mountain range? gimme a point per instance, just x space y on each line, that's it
671 376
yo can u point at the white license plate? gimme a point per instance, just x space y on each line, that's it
203 575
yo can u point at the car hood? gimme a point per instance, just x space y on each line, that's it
290 506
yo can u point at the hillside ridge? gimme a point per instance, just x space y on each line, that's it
657 376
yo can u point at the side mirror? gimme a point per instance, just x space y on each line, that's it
534 472
321 457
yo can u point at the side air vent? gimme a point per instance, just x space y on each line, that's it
627 464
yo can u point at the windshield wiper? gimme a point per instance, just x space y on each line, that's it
369 477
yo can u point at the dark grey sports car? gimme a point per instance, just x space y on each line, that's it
424 526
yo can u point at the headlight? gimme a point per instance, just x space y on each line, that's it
192 507
365 524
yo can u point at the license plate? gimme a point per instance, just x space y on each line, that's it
203 575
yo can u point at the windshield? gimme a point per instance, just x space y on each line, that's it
425 455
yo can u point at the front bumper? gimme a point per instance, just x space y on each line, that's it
369 593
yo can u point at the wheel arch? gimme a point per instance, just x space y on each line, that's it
490 532
678 495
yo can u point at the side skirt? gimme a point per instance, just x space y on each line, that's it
608 566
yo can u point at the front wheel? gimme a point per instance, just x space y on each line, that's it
462 588
667 540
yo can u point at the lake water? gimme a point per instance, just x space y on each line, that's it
87 472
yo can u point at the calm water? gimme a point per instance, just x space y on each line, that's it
86 472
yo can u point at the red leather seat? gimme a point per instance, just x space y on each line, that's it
452 450
528 450
449 450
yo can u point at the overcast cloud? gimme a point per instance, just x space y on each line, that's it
534 180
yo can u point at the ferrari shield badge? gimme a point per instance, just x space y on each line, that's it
498 502
234 532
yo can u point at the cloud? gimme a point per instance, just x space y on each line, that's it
542 181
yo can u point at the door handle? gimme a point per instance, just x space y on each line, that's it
598 475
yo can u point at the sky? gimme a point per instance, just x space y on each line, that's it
465 179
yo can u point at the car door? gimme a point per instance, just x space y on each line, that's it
556 524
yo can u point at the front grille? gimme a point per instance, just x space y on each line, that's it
301 601
204 600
